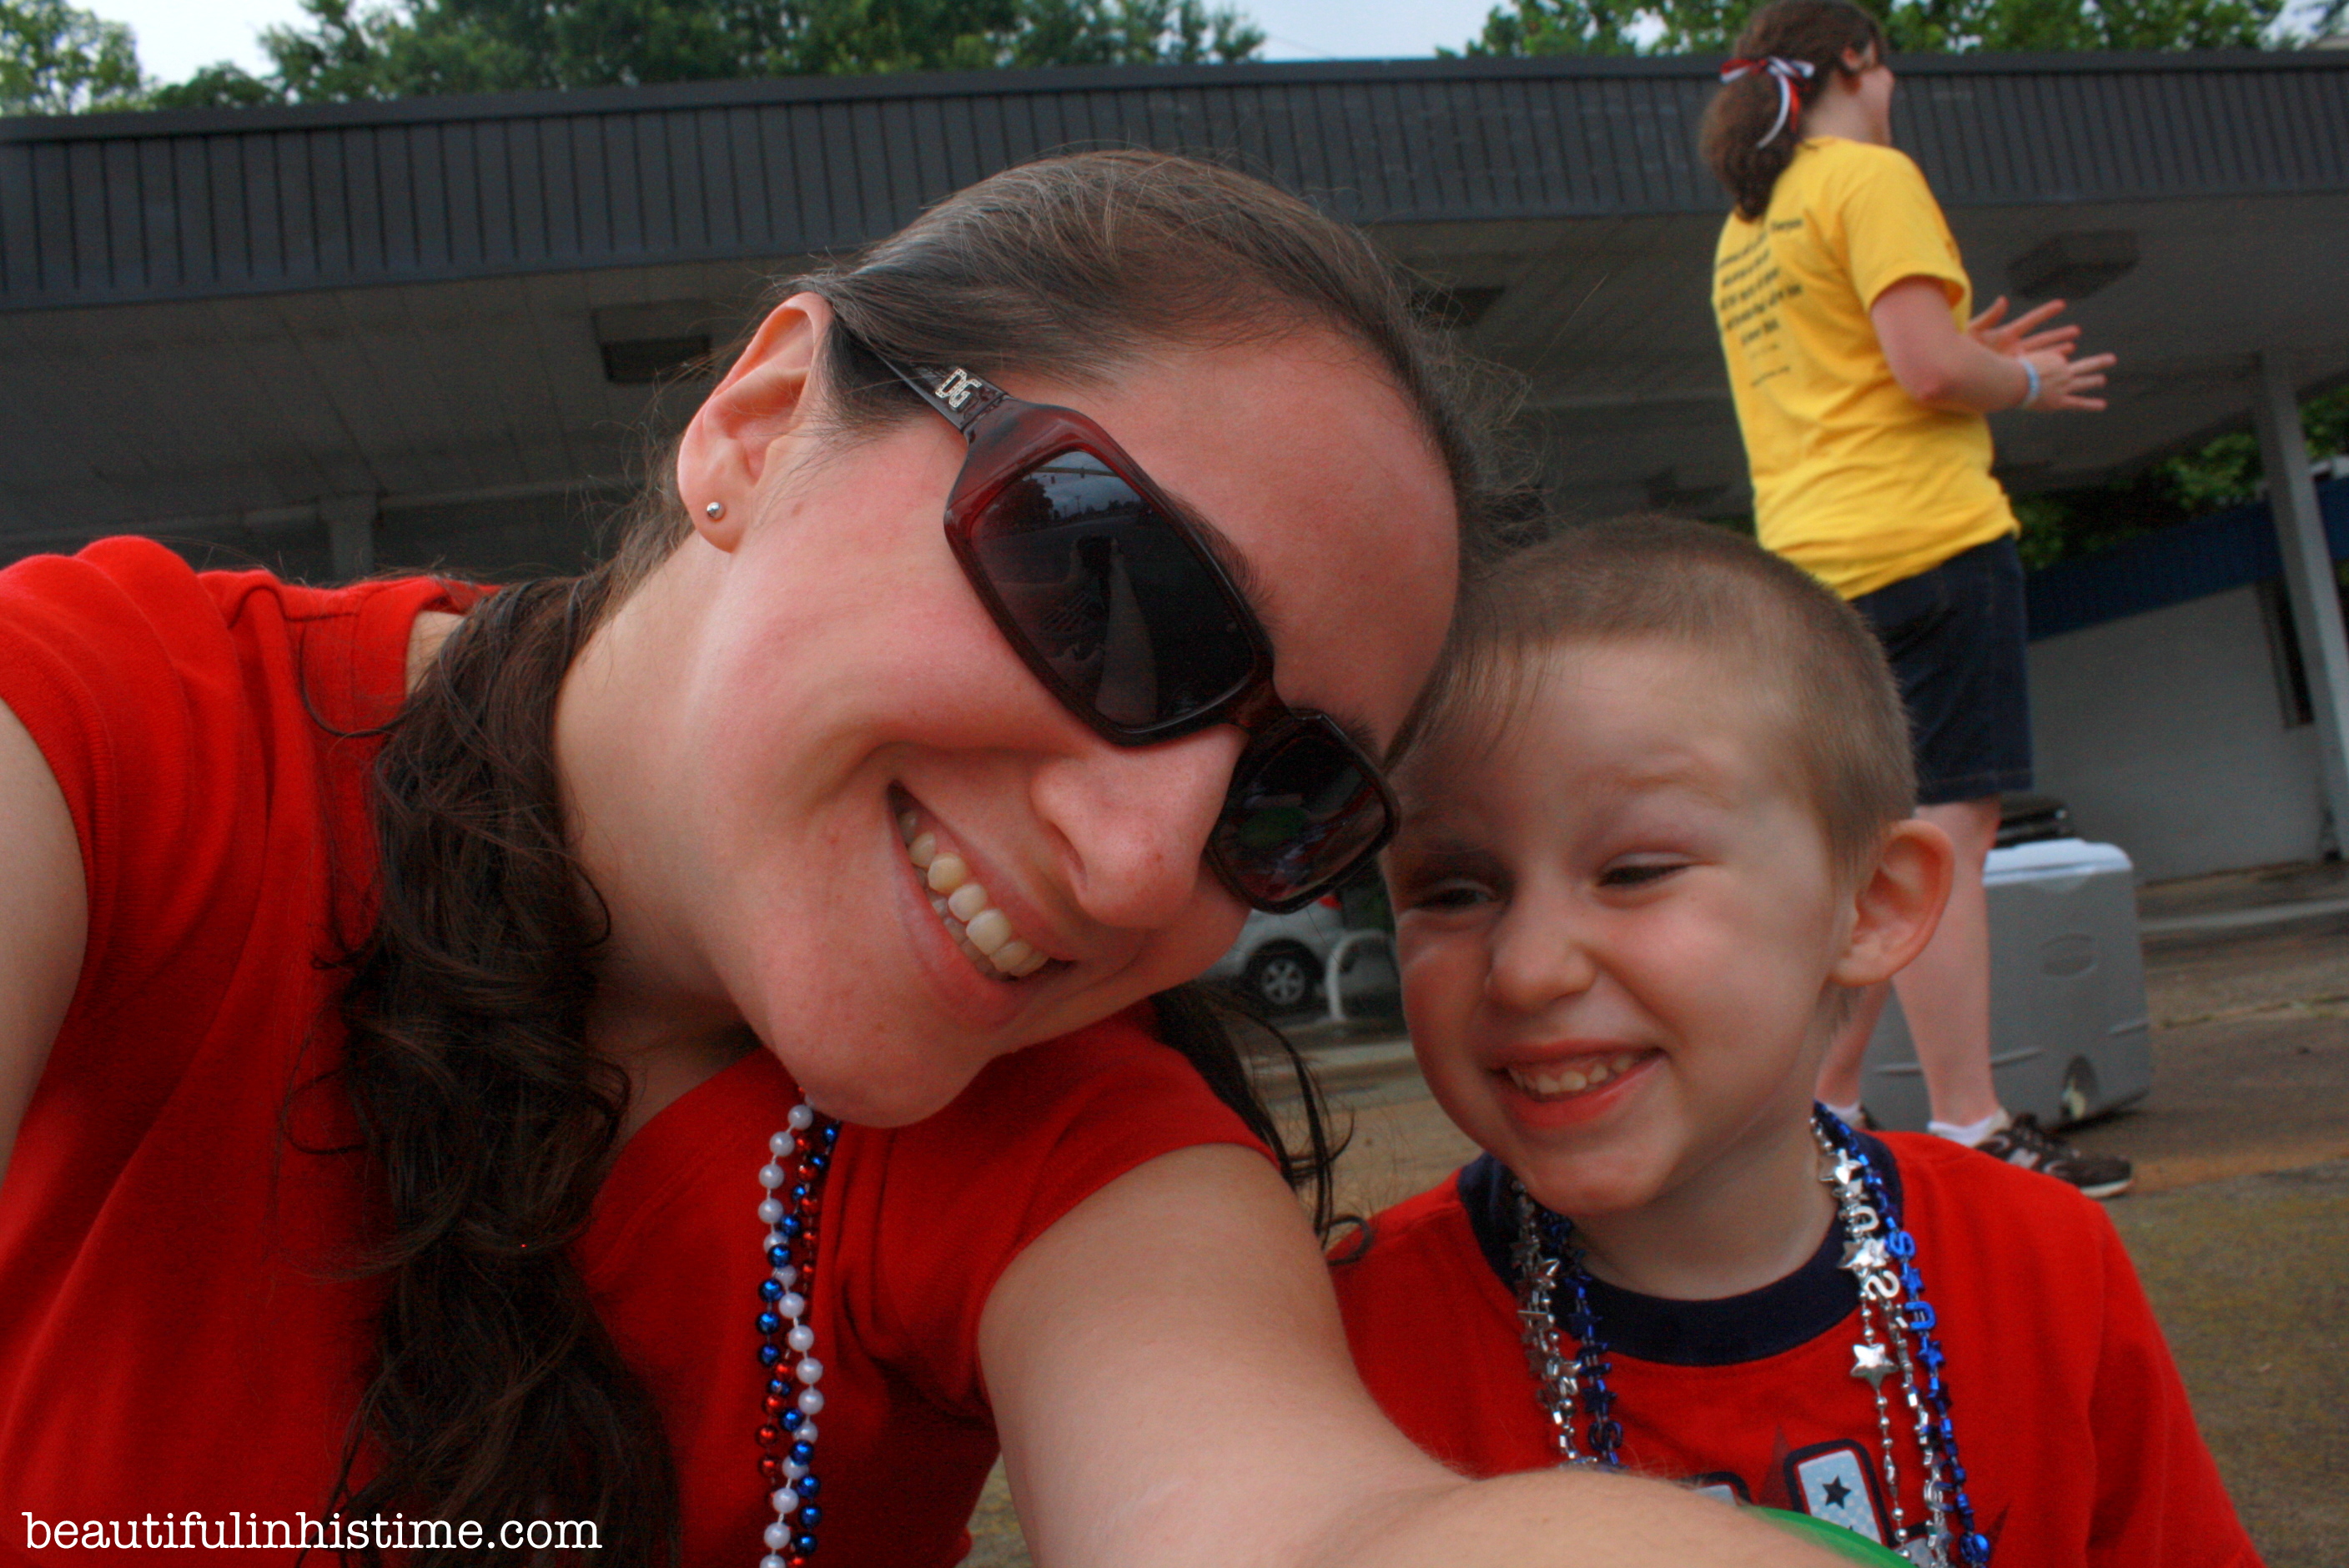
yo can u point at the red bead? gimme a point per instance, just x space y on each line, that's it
775 1404
772 1469
770 1436
810 1206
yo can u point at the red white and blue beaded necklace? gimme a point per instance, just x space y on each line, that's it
791 1212
1895 1326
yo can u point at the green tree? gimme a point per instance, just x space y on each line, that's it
56 59
397 48
1938 27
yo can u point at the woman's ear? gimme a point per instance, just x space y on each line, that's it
1898 905
763 402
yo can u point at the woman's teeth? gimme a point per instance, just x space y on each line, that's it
1548 1083
983 931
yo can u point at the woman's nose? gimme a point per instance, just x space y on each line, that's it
1541 956
1133 822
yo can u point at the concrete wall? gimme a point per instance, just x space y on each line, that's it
2166 732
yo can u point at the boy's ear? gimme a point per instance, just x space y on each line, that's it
1898 906
764 399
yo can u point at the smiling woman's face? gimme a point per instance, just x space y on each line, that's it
835 705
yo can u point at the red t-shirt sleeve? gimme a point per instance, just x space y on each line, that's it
964 1193
2160 1501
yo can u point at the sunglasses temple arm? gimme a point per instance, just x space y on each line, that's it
961 397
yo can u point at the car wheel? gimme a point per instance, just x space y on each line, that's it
1281 977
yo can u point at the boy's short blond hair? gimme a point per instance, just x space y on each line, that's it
1715 591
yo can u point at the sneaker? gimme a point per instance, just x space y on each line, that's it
2023 1141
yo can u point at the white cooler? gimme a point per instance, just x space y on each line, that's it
2067 1013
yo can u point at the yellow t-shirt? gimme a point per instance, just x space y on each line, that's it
1854 480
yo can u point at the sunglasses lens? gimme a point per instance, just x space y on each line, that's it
1109 594
1303 811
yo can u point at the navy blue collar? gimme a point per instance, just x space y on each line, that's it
1779 1316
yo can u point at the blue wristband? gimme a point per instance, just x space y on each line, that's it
2030 384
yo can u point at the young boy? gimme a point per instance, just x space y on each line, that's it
1656 830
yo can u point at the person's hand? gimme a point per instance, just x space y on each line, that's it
2062 379
2020 336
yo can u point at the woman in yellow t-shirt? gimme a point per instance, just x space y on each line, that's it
1861 378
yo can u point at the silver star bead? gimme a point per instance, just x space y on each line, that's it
1870 1361
1865 1256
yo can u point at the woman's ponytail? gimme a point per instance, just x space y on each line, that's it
1789 51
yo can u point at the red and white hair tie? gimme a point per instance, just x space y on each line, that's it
1789 74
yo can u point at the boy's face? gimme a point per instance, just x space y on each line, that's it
1617 925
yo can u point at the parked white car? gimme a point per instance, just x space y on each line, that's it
1279 959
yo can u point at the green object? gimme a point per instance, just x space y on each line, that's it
1835 1538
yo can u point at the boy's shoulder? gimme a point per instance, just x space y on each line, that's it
1960 1196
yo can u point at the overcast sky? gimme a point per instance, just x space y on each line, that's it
175 36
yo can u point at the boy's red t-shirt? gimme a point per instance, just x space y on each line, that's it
2077 1441
180 1332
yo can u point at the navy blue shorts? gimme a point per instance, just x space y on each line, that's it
1954 635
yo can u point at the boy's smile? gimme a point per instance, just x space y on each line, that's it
1619 923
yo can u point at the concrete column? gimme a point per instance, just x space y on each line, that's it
2309 580
350 533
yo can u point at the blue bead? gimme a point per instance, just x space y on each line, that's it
770 1354
806 1543
831 1132
1901 1245
1920 1315
810 1515
1957 1473
807 1486
771 1323
779 1257
799 1193
802 1452
1949 1431
791 1227
770 1289
777 1386
791 1419
819 1160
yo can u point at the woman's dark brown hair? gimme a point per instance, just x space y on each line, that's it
1815 32
496 1393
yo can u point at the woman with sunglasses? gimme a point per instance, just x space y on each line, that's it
670 1059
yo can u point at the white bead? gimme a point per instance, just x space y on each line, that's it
810 1370
792 1304
772 1560
801 1117
770 1212
794 1469
786 1274
779 1535
786 1502
802 1339
779 1145
771 1177
805 1432
811 1402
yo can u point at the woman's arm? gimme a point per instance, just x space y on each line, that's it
44 920
1171 1382
1981 369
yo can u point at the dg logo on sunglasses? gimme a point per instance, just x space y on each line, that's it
956 389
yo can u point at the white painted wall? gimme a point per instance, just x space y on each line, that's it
2165 734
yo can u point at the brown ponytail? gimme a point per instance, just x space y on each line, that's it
496 1393
1814 32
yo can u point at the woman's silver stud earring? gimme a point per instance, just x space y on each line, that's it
714 511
